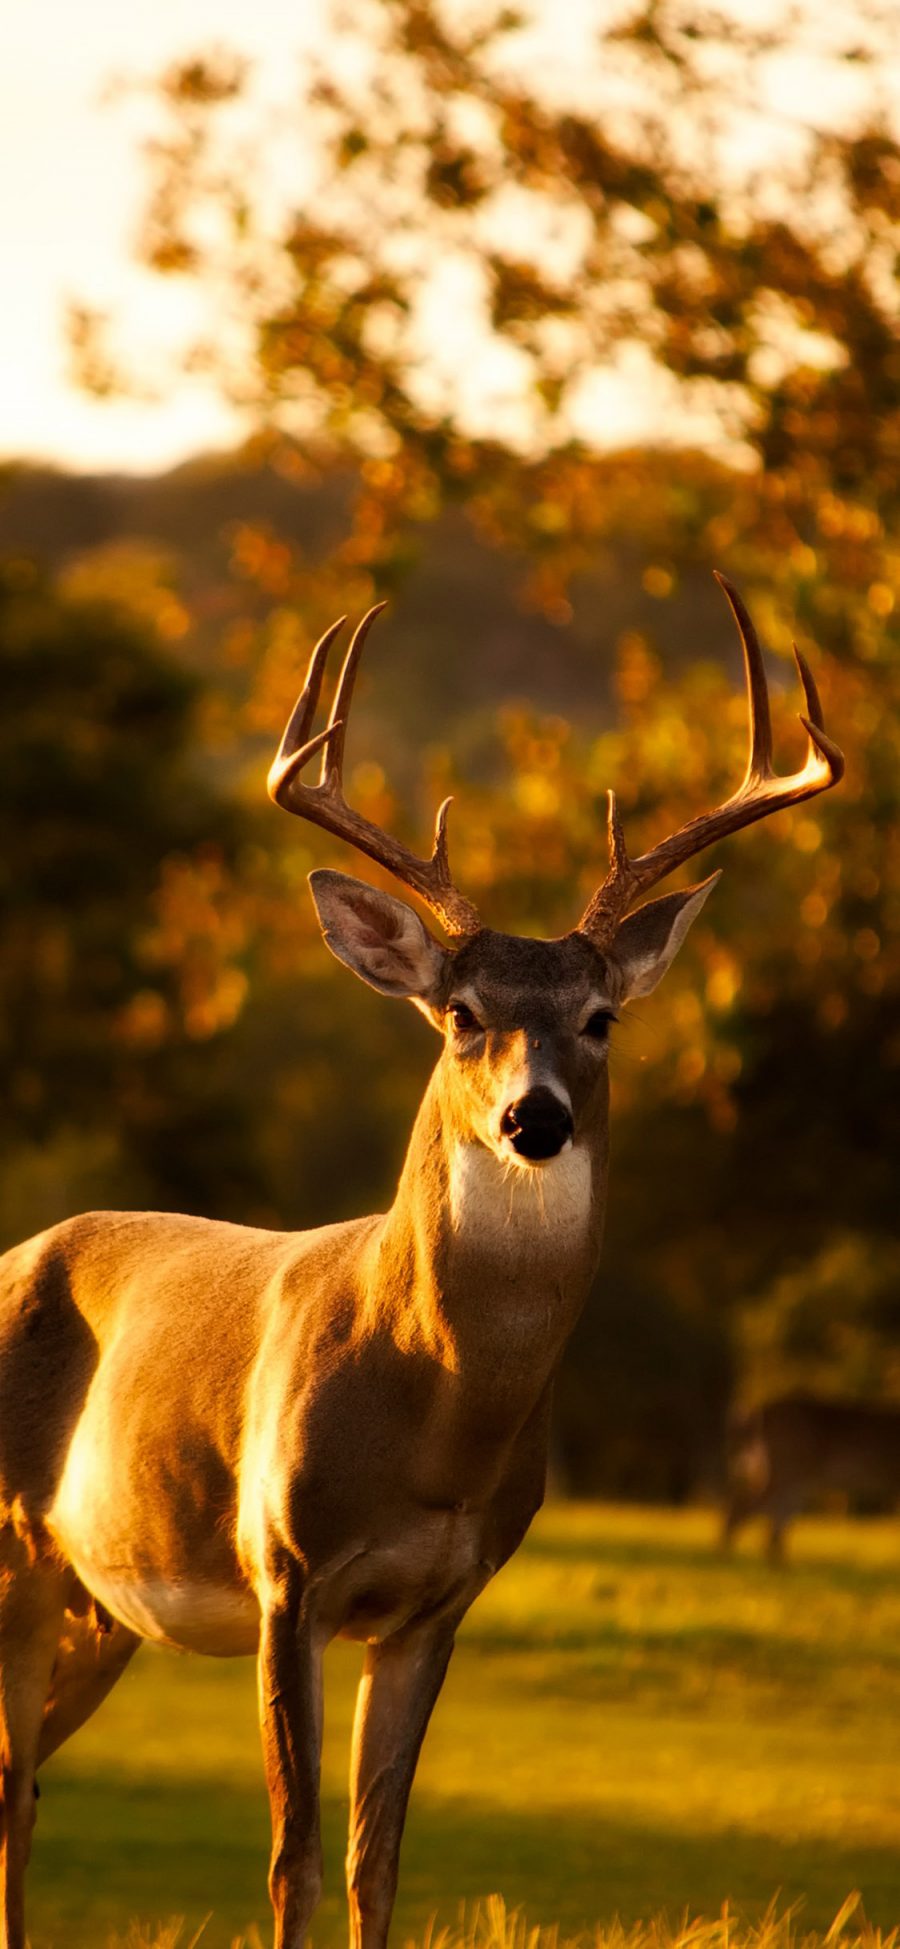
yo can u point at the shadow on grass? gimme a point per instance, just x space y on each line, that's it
745 1568
583 1868
109 1850
604 1658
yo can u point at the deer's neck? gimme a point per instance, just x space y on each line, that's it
484 1262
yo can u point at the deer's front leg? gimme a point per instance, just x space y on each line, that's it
400 1683
290 1711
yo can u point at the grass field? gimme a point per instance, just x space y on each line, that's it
631 1724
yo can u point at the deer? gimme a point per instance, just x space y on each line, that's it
238 1441
785 1452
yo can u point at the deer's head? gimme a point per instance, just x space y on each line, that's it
526 1023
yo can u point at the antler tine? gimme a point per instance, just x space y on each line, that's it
759 761
324 803
760 792
813 706
333 754
296 747
618 851
439 856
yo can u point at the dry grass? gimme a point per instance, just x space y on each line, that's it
171 1935
491 1925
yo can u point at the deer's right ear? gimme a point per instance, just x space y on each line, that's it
379 937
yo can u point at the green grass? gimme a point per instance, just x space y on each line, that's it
631 1725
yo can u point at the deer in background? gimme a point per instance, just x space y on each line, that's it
785 1453
235 1441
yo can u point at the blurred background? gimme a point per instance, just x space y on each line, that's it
524 320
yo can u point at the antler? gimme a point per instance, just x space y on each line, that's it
761 792
325 805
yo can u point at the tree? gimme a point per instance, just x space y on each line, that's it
575 225
608 210
119 972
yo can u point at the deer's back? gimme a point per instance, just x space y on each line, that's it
850 1446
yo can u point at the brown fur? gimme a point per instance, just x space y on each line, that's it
787 1452
237 1440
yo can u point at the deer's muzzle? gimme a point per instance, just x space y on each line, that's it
538 1124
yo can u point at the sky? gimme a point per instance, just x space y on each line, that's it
70 190
70 194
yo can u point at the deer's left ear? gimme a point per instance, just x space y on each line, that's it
380 938
648 940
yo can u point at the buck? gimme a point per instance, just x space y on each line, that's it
237 1441
785 1453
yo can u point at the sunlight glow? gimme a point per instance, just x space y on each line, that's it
70 194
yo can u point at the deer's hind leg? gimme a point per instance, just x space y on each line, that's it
737 1511
33 1592
90 1658
780 1510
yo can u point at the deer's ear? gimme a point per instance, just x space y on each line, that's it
647 941
379 937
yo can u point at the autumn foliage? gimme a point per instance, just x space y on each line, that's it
423 337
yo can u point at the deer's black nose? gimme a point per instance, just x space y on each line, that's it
538 1124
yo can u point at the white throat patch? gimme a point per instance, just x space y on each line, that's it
509 1207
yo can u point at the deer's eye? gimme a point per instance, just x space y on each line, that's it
598 1025
462 1018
